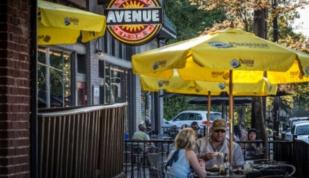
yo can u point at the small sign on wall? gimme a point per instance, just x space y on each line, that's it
96 95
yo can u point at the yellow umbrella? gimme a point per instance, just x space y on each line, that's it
210 57
59 24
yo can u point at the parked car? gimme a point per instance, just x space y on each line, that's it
290 124
189 116
292 120
299 129
304 138
166 123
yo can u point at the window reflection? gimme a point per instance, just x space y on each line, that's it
114 85
54 78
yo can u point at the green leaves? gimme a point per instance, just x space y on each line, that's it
189 20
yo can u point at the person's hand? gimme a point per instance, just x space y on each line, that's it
211 155
202 163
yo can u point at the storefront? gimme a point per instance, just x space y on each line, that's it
99 73
79 74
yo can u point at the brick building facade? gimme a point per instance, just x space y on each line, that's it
15 88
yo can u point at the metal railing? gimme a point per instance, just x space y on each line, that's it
83 142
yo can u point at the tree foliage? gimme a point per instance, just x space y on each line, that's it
189 20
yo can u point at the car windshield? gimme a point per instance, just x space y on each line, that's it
215 116
302 130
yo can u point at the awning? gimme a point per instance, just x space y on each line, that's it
59 24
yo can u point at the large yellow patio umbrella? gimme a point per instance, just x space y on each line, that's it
59 24
232 56
211 57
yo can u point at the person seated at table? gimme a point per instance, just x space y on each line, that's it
209 148
196 128
142 135
183 158
253 150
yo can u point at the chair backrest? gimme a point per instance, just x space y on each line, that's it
276 176
279 169
155 160
290 169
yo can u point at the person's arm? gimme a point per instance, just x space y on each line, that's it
238 156
209 156
198 167
201 153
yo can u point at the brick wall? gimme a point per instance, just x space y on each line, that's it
14 88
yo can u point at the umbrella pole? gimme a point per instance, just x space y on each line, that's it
231 116
208 112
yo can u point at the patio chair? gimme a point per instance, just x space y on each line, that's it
276 176
155 165
279 169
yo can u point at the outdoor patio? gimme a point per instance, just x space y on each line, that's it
138 163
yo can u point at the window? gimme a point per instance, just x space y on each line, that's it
195 117
82 98
215 116
302 130
81 64
54 78
188 117
114 87
181 117
101 69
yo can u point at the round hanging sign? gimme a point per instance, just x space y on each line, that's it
134 22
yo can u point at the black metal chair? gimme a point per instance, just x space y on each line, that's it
266 168
279 169
276 176
156 169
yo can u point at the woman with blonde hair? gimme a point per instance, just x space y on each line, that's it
183 159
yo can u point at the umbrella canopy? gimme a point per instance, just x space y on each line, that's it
59 24
211 57
176 85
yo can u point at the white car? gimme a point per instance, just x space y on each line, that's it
166 123
304 138
189 116
299 129
293 120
